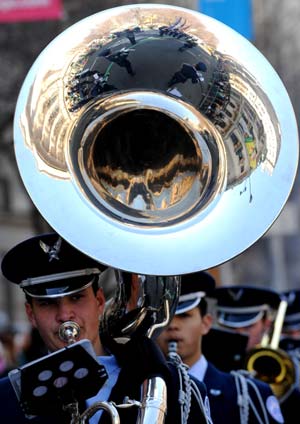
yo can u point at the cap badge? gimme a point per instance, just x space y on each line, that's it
236 295
52 251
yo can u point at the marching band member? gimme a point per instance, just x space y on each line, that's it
252 311
61 285
291 324
233 397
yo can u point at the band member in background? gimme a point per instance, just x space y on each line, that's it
246 310
61 284
252 311
234 397
290 341
291 324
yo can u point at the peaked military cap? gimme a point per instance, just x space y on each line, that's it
48 266
194 287
241 306
292 316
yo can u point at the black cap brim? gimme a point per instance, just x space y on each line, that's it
60 288
187 305
48 266
233 320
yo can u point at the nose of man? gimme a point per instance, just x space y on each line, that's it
174 324
65 311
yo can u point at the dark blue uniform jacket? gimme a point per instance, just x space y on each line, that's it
223 397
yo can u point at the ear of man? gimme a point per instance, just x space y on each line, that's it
30 314
207 322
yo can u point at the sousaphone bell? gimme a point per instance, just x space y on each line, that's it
156 139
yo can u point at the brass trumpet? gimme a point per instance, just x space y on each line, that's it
273 365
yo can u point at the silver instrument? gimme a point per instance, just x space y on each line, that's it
144 305
139 299
161 157
69 332
159 132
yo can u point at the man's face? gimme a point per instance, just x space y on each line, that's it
187 330
83 307
254 332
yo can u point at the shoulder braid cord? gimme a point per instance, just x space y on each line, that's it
188 388
245 402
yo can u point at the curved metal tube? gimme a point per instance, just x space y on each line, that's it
154 401
106 406
141 303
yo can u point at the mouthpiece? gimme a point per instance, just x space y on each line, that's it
69 331
172 347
